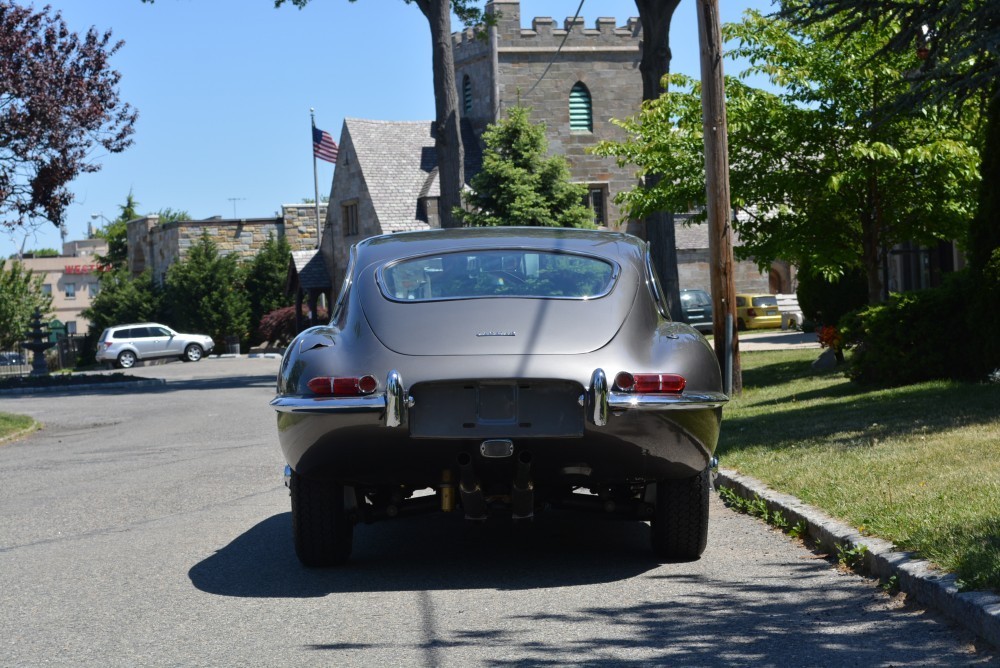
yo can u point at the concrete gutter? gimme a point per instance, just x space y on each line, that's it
979 612
124 385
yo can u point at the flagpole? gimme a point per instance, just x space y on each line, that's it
319 229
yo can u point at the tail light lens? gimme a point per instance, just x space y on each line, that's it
329 386
650 383
752 312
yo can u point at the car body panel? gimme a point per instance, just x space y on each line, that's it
460 389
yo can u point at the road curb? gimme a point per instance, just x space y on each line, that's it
977 611
125 385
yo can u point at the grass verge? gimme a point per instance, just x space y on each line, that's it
11 425
916 465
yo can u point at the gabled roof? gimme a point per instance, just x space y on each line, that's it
307 271
399 164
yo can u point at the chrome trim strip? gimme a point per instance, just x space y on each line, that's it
685 401
374 404
598 397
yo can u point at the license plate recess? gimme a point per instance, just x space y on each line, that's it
490 409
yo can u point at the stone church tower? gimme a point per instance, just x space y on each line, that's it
574 79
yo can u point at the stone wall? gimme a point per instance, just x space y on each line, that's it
156 246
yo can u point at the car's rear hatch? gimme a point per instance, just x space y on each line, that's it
499 325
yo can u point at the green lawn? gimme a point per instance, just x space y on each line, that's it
916 465
13 424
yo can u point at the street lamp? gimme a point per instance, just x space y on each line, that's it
90 225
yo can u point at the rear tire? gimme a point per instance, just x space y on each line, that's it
126 359
680 523
322 532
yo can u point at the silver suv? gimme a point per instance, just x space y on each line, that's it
127 344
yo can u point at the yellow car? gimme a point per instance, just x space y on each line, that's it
757 312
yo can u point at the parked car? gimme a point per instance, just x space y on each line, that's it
125 345
757 312
12 359
506 369
696 305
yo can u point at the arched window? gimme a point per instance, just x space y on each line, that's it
581 115
466 95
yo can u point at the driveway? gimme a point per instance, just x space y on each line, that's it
151 527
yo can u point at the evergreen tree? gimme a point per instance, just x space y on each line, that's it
116 234
205 293
123 299
265 281
519 185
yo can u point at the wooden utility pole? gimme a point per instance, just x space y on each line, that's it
720 231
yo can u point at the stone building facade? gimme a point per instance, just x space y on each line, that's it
574 79
155 246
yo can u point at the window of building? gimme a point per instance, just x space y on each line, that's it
47 289
71 327
466 95
93 289
350 217
581 114
71 291
596 199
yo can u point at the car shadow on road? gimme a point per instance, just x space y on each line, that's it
433 552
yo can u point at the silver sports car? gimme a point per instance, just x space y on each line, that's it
498 371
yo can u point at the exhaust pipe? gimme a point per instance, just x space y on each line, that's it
522 494
473 499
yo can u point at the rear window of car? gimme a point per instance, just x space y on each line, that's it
497 273
767 300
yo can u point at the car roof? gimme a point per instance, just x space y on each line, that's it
597 242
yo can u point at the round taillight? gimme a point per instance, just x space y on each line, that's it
624 381
367 384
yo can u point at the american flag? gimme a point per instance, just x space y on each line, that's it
324 147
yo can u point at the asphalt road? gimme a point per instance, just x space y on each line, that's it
151 527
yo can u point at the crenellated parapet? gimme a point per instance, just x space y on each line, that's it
546 34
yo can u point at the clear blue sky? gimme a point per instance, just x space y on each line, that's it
224 89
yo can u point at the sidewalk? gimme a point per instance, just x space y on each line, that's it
775 339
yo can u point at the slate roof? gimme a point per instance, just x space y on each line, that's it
309 269
399 164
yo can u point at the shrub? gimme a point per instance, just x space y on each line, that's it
913 337
278 327
825 301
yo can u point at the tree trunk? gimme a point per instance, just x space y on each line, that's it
448 130
871 244
655 16
717 200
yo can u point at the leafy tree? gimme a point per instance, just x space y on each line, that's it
961 62
518 184
265 280
58 103
205 293
817 181
20 294
42 252
123 299
168 215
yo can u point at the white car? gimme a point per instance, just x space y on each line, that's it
127 344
